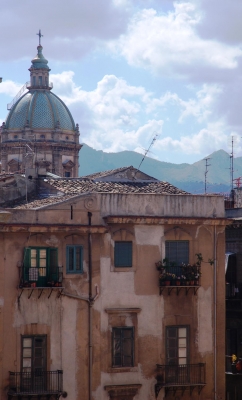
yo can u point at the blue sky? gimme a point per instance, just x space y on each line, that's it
132 69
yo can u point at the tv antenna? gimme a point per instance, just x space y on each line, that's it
233 141
206 172
147 151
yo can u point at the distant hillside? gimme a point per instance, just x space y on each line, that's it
186 176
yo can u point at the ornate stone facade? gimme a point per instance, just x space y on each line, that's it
39 132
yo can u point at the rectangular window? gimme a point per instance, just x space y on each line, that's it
33 354
41 266
177 345
74 257
177 251
123 254
123 347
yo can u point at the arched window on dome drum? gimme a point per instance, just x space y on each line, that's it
46 81
34 80
40 80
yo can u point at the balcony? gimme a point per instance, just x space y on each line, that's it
40 383
180 377
39 279
177 278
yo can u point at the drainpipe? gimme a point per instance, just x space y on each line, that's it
90 305
215 314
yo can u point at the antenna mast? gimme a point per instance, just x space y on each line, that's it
147 151
232 163
206 172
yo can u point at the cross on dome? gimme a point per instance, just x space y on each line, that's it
39 34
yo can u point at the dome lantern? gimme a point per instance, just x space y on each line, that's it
39 70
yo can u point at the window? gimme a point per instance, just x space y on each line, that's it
67 174
33 364
123 254
34 80
177 345
41 266
33 354
74 257
123 347
177 251
40 80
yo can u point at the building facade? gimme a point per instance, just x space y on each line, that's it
85 313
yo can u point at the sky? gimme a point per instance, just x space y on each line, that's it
132 70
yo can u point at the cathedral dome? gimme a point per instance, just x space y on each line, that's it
39 133
40 109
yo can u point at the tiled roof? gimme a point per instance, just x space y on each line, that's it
77 186
118 174
74 187
106 173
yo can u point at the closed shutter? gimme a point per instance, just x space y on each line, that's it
123 254
177 251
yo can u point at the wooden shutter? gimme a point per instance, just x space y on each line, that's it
53 272
26 263
177 251
123 254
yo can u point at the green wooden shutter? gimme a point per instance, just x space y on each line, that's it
53 271
26 264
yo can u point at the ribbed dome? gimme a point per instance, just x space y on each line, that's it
40 110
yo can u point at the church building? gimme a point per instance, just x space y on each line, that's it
39 132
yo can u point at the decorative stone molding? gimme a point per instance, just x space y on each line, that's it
122 392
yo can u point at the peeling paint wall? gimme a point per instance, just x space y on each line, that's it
127 297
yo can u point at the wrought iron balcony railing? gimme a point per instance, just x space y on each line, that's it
180 377
180 277
41 277
36 383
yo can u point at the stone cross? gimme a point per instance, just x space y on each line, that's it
39 34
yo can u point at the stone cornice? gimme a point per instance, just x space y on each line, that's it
169 220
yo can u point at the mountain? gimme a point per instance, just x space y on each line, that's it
189 177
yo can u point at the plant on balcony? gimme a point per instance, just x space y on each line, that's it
186 274
163 264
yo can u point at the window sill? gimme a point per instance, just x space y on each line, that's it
122 369
123 269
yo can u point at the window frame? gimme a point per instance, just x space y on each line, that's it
168 251
32 357
120 264
52 272
122 329
167 347
75 270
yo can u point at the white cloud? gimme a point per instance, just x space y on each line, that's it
111 117
10 88
209 139
169 43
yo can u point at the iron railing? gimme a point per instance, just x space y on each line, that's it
182 274
184 374
31 277
37 382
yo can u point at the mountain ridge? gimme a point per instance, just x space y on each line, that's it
186 176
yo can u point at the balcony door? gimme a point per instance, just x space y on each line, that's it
33 369
177 354
40 265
